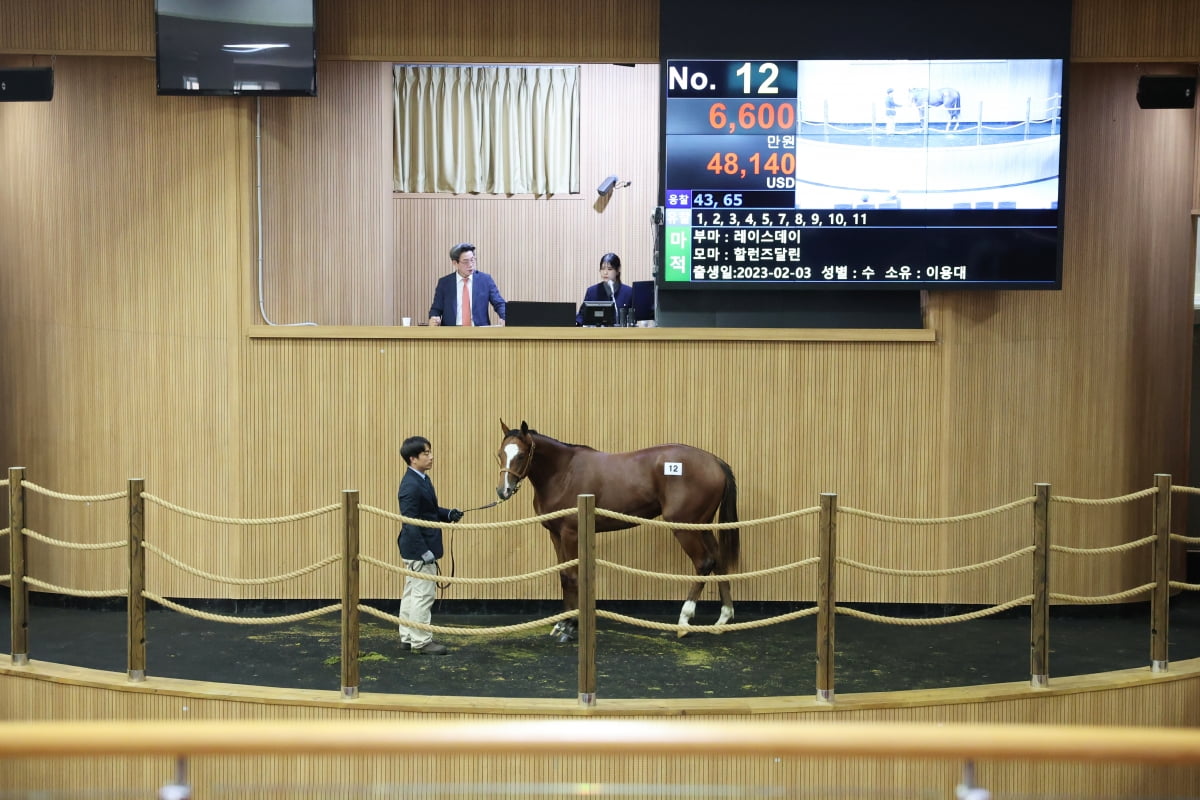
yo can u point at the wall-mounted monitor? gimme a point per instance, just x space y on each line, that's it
881 146
236 47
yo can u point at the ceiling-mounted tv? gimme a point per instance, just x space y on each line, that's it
867 145
236 47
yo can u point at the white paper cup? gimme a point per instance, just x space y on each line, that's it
406 321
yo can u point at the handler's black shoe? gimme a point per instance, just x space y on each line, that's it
432 649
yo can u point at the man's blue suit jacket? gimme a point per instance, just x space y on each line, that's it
483 292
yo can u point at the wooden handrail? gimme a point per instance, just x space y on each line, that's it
1126 744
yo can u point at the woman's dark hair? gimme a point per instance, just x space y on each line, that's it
614 261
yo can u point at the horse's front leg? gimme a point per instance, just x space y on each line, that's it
566 543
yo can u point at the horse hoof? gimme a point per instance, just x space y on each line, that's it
564 638
680 634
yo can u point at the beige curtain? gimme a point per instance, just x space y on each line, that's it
487 130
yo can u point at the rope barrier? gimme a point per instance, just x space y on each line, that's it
1191 587
50 587
461 631
927 573
1091 551
732 577
32 534
78 498
316 512
1106 598
985 612
858 512
1175 537
1185 489
700 526
467 526
723 628
243 581
1106 501
191 612
448 579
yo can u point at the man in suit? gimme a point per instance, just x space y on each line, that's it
420 547
465 289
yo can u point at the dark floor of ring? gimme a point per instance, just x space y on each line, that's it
632 662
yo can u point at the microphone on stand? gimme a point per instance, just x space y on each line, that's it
612 294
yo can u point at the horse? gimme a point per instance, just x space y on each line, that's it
947 98
679 482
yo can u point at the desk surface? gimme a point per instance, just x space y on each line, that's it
425 332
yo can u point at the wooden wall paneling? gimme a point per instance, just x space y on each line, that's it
428 31
78 27
1124 30
122 287
327 178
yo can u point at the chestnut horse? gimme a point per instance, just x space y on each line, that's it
678 482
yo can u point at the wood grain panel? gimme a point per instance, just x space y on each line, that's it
581 31
1119 698
1125 30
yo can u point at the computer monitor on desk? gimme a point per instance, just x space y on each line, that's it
598 313
531 313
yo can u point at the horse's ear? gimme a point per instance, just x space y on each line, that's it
524 428
503 427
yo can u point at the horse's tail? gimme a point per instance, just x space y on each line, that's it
729 538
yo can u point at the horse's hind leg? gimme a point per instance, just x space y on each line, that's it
701 547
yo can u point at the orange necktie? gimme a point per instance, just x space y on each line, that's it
466 303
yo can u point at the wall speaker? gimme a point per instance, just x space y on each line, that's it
25 84
1166 91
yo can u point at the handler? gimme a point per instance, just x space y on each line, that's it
420 547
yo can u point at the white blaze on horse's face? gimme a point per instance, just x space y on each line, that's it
508 483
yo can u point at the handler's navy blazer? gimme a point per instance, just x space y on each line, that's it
600 292
483 291
419 501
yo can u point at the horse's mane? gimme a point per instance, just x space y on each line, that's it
556 441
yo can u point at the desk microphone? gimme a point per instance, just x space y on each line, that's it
612 293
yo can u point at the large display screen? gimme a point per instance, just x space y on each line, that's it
863 173
236 47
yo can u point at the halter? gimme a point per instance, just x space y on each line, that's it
528 463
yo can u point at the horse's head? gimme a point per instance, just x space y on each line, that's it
514 456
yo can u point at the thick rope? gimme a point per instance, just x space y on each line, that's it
1191 587
1107 598
858 512
243 581
78 498
448 579
732 577
50 587
706 526
191 612
927 573
1105 501
6 578
727 626
460 631
466 526
1091 551
1175 537
983 612
1185 489
32 534
316 512
5 531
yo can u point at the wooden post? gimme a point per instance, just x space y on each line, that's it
1160 600
826 602
1039 609
135 605
350 589
587 599
18 591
